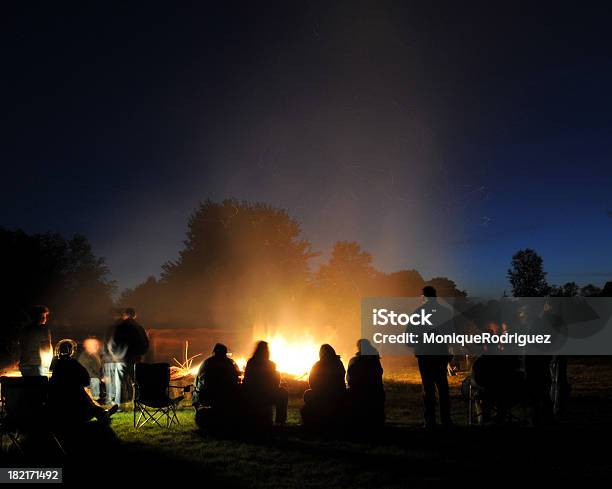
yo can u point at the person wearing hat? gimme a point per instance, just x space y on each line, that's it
217 380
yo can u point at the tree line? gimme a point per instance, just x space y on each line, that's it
241 264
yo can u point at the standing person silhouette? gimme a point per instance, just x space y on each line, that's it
35 341
433 360
128 344
109 364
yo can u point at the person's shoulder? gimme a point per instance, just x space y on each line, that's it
136 324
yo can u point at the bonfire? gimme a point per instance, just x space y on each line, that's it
185 368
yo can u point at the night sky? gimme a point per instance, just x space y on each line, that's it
442 138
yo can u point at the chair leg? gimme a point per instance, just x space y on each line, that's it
15 441
146 416
58 443
470 406
172 415
162 417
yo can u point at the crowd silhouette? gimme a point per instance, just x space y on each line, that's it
98 382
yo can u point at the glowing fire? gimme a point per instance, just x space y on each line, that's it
12 371
294 357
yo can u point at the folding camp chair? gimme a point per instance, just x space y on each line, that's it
152 401
24 409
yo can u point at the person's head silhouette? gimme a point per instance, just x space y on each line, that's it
65 349
364 347
130 313
40 314
429 291
327 352
262 351
220 350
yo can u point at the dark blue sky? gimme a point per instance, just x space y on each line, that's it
440 138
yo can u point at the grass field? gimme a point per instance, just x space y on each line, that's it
402 455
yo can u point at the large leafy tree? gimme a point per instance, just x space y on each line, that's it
240 262
526 274
349 271
341 284
403 283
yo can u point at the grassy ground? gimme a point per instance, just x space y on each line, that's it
402 455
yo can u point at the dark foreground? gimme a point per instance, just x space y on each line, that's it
402 455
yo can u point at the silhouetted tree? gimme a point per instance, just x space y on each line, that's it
148 298
246 263
349 269
61 273
341 283
607 290
590 290
526 275
570 289
446 287
240 262
404 283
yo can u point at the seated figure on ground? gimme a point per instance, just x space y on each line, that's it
70 405
366 393
261 389
324 401
215 397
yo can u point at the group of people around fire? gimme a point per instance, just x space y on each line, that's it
220 398
79 387
99 382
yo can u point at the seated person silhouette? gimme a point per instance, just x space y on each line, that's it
366 394
215 397
70 405
324 401
261 388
